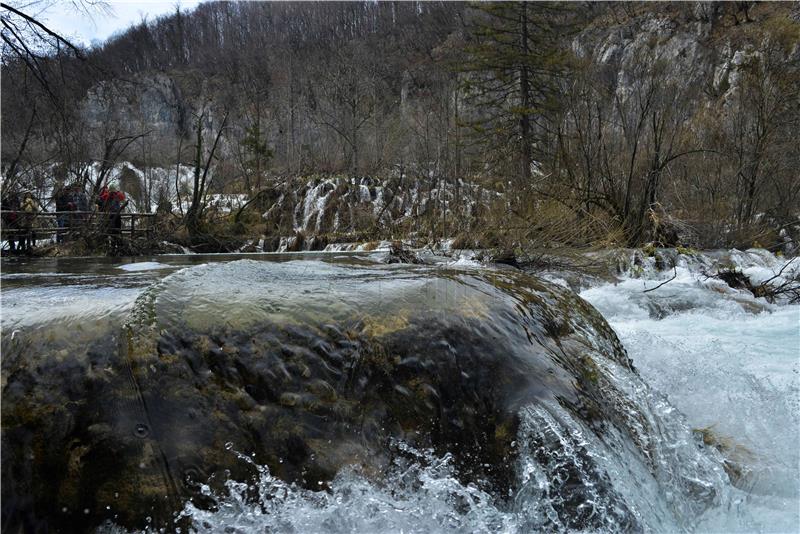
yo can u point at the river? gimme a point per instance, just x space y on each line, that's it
718 362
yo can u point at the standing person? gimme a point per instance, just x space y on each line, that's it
11 219
81 199
102 206
111 202
62 198
81 202
29 210
115 204
102 197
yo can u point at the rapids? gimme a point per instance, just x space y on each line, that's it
730 363
712 363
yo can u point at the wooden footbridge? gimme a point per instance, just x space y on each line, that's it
65 225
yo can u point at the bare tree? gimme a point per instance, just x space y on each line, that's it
345 98
202 164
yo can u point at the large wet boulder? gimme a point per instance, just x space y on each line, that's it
306 367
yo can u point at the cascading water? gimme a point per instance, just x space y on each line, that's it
702 439
555 453
727 360
731 363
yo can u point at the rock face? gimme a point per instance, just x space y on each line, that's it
706 44
307 367
154 100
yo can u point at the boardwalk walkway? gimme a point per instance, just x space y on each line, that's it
46 224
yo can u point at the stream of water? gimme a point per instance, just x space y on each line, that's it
730 363
714 362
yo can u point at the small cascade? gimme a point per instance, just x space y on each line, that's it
343 204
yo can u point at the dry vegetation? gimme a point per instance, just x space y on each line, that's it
255 97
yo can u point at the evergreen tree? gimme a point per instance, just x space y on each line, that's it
258 153
511 76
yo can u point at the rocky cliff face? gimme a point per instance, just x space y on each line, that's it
694 43
152 101
700 43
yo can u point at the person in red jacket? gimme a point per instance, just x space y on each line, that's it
112 202
102 197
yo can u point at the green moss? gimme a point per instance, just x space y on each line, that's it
686 251
590 371
376 327
289 399
649 250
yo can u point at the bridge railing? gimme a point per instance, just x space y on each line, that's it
46 224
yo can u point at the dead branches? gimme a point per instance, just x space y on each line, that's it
665 282
772 289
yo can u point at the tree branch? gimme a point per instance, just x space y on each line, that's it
47 30
665 282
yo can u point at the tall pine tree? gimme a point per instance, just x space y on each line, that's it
518 56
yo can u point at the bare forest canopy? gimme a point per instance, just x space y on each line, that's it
589 122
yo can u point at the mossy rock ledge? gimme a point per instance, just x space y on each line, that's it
305 366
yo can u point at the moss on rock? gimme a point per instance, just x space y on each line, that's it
308 385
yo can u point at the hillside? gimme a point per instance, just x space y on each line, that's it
626 123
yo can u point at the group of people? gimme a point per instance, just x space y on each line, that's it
72 206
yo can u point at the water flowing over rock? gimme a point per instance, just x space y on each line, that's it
341 205
312 370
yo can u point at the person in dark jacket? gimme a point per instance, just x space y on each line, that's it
80 198
62 198
11 219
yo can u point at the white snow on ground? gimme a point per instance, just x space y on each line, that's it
464 258
381 246
464 261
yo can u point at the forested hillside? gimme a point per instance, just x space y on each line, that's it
506 125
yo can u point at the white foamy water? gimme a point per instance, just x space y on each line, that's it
421 493
708 356
726 360
423 496
28 307
729 362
